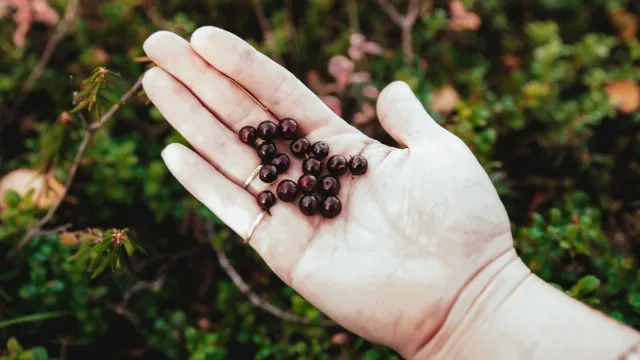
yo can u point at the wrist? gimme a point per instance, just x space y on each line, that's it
519 316
477 301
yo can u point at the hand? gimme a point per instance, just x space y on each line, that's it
415 229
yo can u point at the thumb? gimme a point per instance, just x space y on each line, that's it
403 116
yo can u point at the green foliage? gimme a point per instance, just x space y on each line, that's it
534 109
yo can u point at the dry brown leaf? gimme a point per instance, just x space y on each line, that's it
625 94
627 24
444 99
69 238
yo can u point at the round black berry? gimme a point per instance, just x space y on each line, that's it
329 185
287 190
281 162
288 128
307 184
300 148
320 150
358 165
267 130
268 173
331 207
337 165
248 135
266 151
309 205
312 166
266 199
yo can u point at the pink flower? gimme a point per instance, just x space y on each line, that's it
370 91
28 12
333 103
461 19
340 67
358 47
360 77
364 116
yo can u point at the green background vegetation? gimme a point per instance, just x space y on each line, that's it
535 105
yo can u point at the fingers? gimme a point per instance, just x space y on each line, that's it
275 87
279 238
234 206
215 142
222 97
403 116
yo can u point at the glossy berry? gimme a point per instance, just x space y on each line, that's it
287 190
288 128
268 173
329 185
248 135
337 165
320 150
300 148
358 165
281 162
267 130
309 205
312 166
331 207
307 184
266 151
266 199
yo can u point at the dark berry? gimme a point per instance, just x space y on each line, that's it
337 165
358 165
329 185
300 148
268 173
331 207
266 199
281 162
320 150
247 135
287 190
307 184
312 166
266 151
309 205
267 130
288 128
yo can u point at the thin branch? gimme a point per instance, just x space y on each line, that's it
61 31
55 230
254 298
352 9
265 26
391 10
405 22
74 168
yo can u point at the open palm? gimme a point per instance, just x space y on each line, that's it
414 230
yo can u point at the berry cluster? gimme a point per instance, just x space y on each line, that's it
319 192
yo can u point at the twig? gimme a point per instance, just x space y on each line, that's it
265 26
74 168
55 230
255 299
405 22
352 10
61 31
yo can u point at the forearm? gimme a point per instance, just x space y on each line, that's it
518 316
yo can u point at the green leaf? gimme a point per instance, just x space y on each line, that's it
80 106
91 78
107 95
101 267
634 300
126 260
39 353
584 286
136 245
13 346
12 198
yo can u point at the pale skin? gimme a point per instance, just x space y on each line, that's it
421 258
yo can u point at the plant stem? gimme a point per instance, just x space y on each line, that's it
34 317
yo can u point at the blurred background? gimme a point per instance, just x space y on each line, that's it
104 255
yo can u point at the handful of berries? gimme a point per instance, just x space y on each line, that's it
319 192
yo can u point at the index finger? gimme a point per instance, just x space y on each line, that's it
277 89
